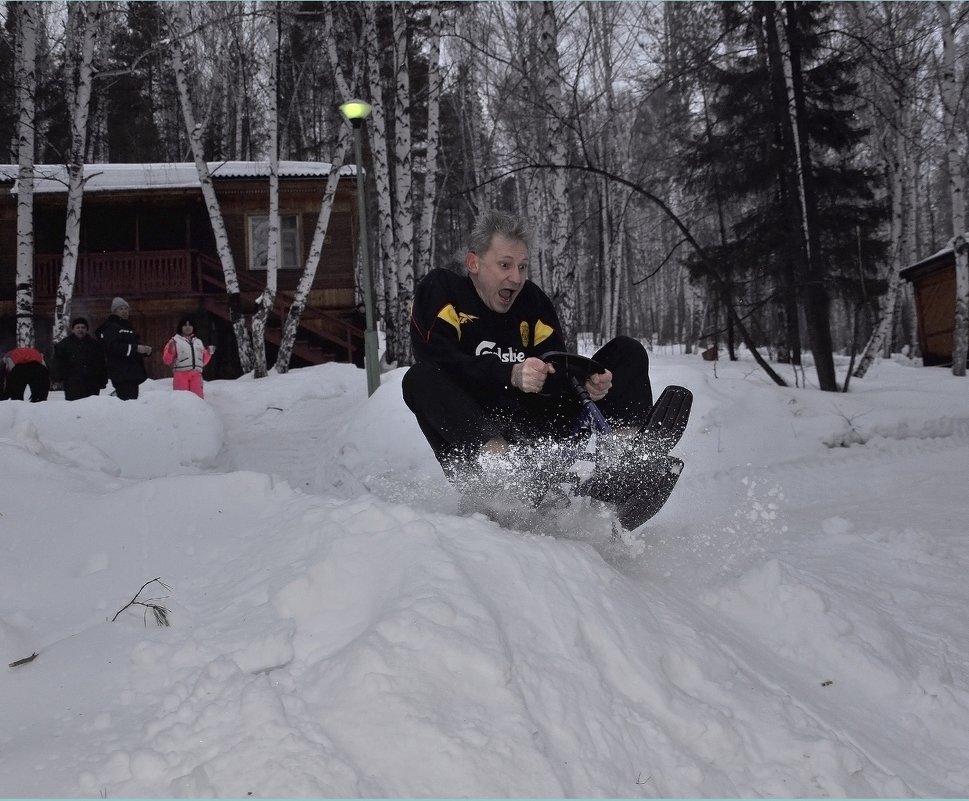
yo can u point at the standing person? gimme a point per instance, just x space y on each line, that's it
123 351
79 363
479 386
25 367
187 355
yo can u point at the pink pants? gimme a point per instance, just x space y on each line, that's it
190 380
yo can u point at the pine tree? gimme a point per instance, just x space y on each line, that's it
782 148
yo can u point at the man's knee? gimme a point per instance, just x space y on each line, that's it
628 350
418 380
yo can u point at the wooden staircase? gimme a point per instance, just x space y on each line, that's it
322 336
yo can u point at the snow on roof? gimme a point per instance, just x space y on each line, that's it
50 178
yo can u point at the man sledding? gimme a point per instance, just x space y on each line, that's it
503 407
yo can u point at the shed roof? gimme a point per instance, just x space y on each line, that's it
52 178
938 260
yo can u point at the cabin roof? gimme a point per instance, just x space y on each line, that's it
52 178
939 259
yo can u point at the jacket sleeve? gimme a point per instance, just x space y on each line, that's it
169 353
436 338
114 344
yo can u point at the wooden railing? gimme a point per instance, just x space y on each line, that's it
138 274
170 273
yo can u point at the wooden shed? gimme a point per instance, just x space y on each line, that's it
146 237
934 281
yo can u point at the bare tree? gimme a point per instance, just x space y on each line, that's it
178 24
401 293
308 275
889 34
561 267
26 80
82 26
267 299
424 258
955 146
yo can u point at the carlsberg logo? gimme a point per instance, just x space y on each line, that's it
506 355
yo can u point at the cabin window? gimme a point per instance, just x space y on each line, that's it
288 240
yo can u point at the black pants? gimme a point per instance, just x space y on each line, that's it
456 422
30 374
126 390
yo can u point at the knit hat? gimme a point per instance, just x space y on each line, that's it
82 320
118 303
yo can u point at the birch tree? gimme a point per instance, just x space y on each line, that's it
26 81
954 146
384 190
891 35
561 267
400 292
424 259
267 299
308 276
82 26
178 24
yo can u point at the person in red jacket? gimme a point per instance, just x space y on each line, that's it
186 354
26 368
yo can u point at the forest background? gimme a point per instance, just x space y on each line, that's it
700 173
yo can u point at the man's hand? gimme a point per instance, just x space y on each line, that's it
598 385
529 375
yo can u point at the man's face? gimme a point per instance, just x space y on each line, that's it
123 312
79 330
499 273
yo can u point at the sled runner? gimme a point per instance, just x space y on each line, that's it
637 476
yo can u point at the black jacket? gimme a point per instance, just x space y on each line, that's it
452 327
120 343
79 364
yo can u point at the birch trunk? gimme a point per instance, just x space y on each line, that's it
26 78
379 150
398 334
425 241
898 233
960 247
329 34
178 22
267 299
308 275
82 22
561 268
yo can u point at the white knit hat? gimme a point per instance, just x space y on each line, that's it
118 303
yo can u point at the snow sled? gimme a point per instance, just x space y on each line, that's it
635 475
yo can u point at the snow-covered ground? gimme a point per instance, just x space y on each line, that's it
793 623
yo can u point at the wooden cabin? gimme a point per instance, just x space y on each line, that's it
146 237
934 281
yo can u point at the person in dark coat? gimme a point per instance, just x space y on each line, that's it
25 367
123 351
479 385
79 363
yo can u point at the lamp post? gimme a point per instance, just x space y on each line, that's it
356 111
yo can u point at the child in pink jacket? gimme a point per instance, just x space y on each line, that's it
187 355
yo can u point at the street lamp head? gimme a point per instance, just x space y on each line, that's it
356 111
